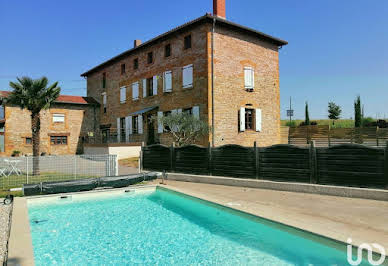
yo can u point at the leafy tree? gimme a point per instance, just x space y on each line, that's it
334 111
34 95
357 112
307 117
184 128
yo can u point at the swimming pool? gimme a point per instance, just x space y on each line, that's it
159 226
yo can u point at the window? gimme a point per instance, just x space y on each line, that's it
249 78
123 94
188 111
187 42
122 69
167 81
2 112
188 76
249 113
165 114
58 118
58 140
150 57
122 129
136 63
150 86
167 50
135 91
135 126
104 102
28 141
103 80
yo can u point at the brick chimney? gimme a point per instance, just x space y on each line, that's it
136 43
219 8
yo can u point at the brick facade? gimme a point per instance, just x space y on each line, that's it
78 120
234 49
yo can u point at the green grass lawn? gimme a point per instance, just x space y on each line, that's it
342 123
15 181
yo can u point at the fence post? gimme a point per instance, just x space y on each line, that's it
328 136
386 165
172 157
313 163
27 168
209 159
75 167
256 163
377 136
141 158
116 165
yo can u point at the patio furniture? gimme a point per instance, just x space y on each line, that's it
13 166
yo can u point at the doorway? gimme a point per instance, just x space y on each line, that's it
150 129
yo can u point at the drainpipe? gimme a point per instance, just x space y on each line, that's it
212 66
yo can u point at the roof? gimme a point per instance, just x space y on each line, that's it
204 19
67 99
145 110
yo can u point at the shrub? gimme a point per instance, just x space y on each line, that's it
368 122
291 124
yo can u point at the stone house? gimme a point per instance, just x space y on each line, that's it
63 126
224 73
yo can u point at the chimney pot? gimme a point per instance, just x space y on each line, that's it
219 8
136 43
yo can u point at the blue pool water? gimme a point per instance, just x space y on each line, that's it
165 228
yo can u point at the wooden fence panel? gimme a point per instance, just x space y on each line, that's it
156 157
191 159
233 161
284 163
351 165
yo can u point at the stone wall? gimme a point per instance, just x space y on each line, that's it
78 119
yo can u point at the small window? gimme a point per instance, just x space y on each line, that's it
150 87
58 140
188 111
28 141
58 118
135 126
136 63
122 69
249 115
103 80
165 114
187 76
123 94
104 102
188 42
150 57
249 78
167 50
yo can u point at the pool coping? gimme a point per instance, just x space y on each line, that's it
20 249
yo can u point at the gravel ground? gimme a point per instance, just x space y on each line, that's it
4 229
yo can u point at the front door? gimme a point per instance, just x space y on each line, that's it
150 129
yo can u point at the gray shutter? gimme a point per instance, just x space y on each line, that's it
258 120
118 130
242 119
144 88
130 125
127 129
196 111
155 85
140 124
160 125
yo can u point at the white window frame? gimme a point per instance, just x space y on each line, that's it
189 83
135 91
167 87
123 94
249 78
61 117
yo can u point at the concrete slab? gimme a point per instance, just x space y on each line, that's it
20 244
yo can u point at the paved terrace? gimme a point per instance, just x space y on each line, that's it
365 221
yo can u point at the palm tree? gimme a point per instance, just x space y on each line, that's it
33 95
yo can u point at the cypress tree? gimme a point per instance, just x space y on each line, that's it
357 112
307 117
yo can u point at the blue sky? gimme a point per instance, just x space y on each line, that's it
337 48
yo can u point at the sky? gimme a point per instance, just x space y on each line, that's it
338 49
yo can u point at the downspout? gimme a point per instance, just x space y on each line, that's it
212 66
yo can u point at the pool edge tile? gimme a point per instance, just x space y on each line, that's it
20 250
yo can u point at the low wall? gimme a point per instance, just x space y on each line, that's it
363 193
122 151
